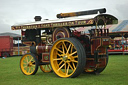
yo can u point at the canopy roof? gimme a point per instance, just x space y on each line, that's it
115 30
89 20
122 26
15 36
9 34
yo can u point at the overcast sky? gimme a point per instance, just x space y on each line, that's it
21 11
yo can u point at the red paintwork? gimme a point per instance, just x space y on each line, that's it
45 51
102 62
76 33
92 64
6 44
95 45
42 49
45 57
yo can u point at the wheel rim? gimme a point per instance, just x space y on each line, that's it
28 64
46 68
64 58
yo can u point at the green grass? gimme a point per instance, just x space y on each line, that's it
116 73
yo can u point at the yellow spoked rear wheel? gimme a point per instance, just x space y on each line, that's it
66 57
46 68
29 64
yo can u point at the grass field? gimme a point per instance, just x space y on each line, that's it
116 73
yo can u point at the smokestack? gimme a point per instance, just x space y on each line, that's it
37 18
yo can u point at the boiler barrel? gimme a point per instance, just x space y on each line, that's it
89 12
43 49
40 49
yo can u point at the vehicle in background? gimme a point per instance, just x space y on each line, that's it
9 48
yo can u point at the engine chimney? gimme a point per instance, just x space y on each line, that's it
37 18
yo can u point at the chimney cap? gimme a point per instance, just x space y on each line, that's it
37 18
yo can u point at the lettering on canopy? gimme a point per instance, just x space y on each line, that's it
57 24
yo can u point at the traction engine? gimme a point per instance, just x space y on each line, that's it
57 45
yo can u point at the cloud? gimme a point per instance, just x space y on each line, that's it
4 27
122 10
22 11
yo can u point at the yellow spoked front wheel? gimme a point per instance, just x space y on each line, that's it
29 64
67 57
46 68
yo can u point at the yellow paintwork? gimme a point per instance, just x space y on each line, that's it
89 70
46 68
64 58
27 64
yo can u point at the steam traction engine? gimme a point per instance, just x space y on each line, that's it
56 45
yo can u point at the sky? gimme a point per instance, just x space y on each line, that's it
22 11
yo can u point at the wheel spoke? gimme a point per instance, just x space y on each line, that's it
60 63
74 61
58 50
75 56
27 59
48 67
45 67
73 53
61 67
33 65
73 65
25 67
68 48
65 67
64 45
33 62
67 70
28 70
30 60
57 59
63 49
59 55
70 66
71 49
24 63
31 70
